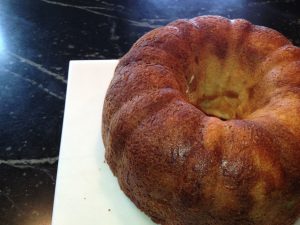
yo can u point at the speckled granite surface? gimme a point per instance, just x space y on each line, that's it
37 40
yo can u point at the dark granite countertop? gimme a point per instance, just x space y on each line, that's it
37 40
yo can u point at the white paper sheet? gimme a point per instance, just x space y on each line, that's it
86 191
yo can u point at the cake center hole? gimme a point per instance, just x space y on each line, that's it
219 89
223 104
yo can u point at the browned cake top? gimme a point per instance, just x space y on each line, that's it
201 124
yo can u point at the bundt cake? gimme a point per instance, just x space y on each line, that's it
201 124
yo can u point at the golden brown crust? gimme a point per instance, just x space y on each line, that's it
201 124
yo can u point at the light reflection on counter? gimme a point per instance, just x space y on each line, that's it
40 216
2 45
